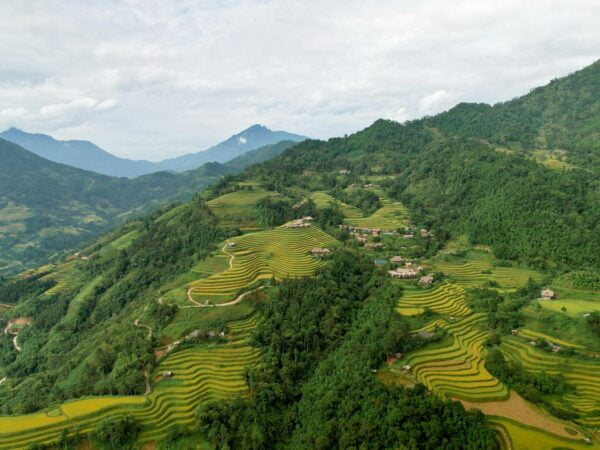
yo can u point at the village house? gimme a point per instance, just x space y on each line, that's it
307 219
397 260
424 232
320 251
230 244
514 332
403 273
426 280
299 223
547 294
408 236
344 172
373 245
167 374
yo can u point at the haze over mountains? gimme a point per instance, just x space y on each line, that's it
88 156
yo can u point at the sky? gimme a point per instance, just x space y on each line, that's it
150 79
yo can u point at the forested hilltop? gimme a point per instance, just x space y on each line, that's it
477 170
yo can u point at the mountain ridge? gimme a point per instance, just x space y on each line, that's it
86 155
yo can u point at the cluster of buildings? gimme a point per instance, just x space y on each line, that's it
409 271
77 255
304 222
320 251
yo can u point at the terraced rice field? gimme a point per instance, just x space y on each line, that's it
454 367
524 437
469 273
323 200
279 253
199 374
390 216
584 374
448 299
236 208
534 335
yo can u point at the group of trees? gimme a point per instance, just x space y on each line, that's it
503 311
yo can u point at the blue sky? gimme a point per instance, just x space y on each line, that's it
151 79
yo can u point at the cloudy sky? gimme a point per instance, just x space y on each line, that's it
151 79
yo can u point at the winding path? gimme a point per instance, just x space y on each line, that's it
137 323
189 291
148 390
238 299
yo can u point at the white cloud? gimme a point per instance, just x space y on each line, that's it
435 102
154 78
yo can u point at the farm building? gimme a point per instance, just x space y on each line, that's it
344 172
307 219
167 374
397 260
320 251
547 294
373 245
380 262
424 232
426 280
230 244
403 273
408 236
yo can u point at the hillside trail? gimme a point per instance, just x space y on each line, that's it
238 299
137 323
148 390
15 334
189 291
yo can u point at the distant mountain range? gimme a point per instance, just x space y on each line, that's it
88 156
46 207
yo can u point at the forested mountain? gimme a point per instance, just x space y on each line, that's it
81 154
259 155
88 156
563 115
451 173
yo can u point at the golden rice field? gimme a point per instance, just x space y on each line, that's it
323 200
390 216
199 374
524 437
469 273
448 299
583 374
534 335
454 367
236 208
280 253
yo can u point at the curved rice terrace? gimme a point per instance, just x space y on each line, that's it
583 374
454 367
235 209
448 299
200 373
279 253
390 216
479 268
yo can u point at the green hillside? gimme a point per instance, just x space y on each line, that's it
272 310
